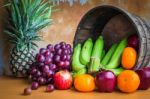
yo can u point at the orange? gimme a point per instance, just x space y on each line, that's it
128 81
129 56
84 83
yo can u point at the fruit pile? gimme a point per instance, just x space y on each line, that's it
48 61
111 68
90 68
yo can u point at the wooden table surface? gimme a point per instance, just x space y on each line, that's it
12 88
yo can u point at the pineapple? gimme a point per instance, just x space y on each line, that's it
26 18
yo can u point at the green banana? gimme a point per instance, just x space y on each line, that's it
115 59
82 71
109 54
103 54
94 65
98 47
86 52
76 65
116 71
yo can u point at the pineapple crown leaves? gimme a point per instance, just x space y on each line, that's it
26 18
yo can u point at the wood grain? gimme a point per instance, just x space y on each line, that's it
12 88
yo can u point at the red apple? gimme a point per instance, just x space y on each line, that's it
63 80
105 81
144 75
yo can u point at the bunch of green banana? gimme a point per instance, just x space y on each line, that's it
111 60
86 52
116 56
81 57
97 55
91 58
76 65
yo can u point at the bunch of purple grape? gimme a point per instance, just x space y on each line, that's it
48 61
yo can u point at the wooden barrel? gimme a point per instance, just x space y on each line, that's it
115 24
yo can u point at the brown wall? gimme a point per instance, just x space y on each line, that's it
67 19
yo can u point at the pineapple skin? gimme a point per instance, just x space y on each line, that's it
20 62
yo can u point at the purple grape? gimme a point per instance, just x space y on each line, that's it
34 78
34 64
51 55
50 73
42 50
62 43
48 60
46 68
49 81
69 52
41 64
65 52
44 74
63 47
49 46
28 91
68 46
47 53
57 46
63 57
40 58
33 71
68 57
61 64
56 58
50 88
34 85
52 67
38 74
41 80
59 52
67 63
